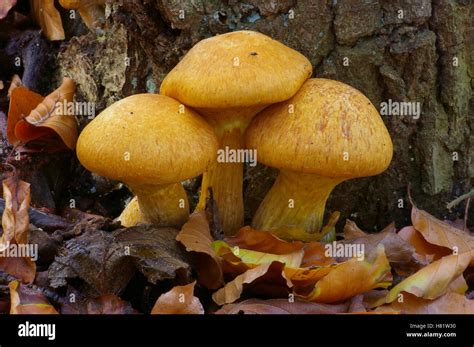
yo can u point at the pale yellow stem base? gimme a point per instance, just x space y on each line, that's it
160 205
131 215
294 204
226 178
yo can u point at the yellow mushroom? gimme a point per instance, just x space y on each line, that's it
332 133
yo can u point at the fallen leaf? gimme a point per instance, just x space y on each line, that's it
179 300
441 233
351 278
16 83
15 224
48 19
41 123
5 6
109 304
92 11
15 218
433 280
265 279
25 300
254 258
262 241
281 306
352 231
196 237
449 303
423 247
106 261
400 254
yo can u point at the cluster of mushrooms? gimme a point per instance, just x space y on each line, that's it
237 90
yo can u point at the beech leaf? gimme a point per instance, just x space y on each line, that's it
5 6
351 278
433 280
265 279
48 19
423 247
15 224
449 303
25 300
195 236
40 122
281 306
441 233
179 300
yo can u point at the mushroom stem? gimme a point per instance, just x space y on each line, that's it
295 201
131 215
226 178
162 205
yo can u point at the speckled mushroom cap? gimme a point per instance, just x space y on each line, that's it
331 121
161 144
237 69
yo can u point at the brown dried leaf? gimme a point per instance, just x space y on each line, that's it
25 300
48 18
48 115
401 254
196 237
179 300
5 6
16 83
281 306
15 223
266 279
429 251
352 231
450 303
109 304
441 233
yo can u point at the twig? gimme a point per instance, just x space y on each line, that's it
460 198
466 210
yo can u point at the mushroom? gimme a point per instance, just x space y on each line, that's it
228 79
152 144
333 134
131 215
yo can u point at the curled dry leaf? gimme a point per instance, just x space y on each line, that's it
196 237
433 280
265 279
109 304
48 19
238 260
352 231
423 247
15 223
401 255
441 233
351 278
179 300
449 303
281 306
16 83
25 300
5 6
43 123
